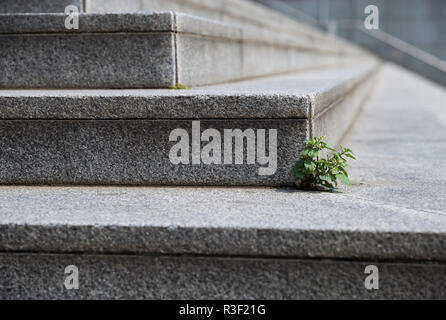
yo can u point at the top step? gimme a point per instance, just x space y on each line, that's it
147 50
236 12
128 45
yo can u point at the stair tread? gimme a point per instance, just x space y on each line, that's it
381 216
115 22
153 50
167 21
215 221
284 96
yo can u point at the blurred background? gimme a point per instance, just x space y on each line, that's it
411 32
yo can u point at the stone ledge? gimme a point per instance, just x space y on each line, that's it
47 23
41 276
250 15
150 50
215 221
36 6
123 139
392 212
255 18
175 22
287 96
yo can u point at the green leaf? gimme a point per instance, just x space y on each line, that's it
309 165
344 179
299 174
313 153
350 156
299 164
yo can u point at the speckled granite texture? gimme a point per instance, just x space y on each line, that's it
118 142
173 242
285 96
147 50
222 221
383 216
37 6
132 152
87 61
37 276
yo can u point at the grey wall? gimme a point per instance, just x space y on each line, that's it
418 22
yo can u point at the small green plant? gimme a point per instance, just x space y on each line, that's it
312 169
179 86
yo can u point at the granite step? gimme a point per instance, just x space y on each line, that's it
177 137
207 243
38 6
236 12
150 50
250 242
245 13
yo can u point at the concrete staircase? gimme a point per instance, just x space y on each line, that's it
151 50
91 107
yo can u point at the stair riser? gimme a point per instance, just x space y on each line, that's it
41 276
237 12
143 60
8 6
203 61
151 50
136 152
87 61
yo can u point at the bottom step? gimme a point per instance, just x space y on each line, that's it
42 276
232 243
